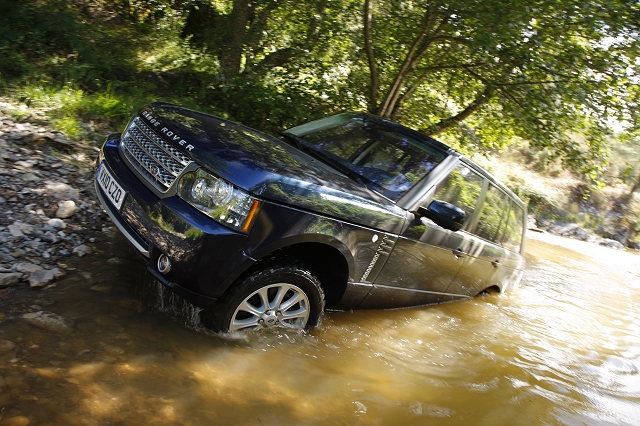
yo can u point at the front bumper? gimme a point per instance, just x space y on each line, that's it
206 256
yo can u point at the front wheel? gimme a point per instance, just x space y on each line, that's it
287 296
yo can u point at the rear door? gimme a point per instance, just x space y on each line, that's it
493 255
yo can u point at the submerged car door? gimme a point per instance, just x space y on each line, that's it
493 256
427 257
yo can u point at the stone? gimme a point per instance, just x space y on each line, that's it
16 421
86 370
66 209
57 223
6 346
81 250
132 305
113 350
62 191
49 321
28 268
41 278
612 244
20 229
30 177
10 279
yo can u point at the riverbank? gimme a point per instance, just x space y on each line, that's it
48 211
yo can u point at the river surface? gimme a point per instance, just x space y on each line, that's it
563 348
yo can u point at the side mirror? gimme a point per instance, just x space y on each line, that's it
444 214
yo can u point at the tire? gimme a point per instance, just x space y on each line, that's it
286 295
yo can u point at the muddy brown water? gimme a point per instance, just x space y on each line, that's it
562 348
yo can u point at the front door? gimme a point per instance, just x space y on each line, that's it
426 258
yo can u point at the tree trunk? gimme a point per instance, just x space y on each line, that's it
368 45
232 41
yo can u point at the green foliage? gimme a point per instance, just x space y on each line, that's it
481 75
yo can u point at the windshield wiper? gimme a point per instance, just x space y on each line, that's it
302 146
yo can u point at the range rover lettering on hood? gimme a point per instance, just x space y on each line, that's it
168 133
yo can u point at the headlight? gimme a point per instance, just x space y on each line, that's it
218 199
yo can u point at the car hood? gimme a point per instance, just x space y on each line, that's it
270 168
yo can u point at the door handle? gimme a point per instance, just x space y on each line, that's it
495 263
458 253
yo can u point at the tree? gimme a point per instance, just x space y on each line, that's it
541 71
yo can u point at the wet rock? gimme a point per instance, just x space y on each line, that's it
10 279
86 370
612 244
132 305
101 288
6 346
15 382
569 230
16 421
66 209
113 350
115 261
49 321
82 250
44 276
45 301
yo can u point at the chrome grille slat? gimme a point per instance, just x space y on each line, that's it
151 156
177 155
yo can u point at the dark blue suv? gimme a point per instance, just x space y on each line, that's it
346 212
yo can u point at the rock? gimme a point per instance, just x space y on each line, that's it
87 370
28 268
10 280
6 346
81 250
66 209
49 321
132 305
113 350
612 244
16 421
101 288
115 261
30 177
62 191
20 229
41 278
57 223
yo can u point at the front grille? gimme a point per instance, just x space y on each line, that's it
156 160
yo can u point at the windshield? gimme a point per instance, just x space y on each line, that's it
388 161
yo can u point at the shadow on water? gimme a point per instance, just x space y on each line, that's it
563 348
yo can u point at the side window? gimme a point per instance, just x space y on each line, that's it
461 188
513 230
500 220
494 214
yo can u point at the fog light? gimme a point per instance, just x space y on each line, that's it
164 264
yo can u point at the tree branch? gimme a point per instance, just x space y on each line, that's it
481 99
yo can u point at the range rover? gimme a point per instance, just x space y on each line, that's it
350 211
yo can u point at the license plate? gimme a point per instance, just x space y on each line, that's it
114 191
